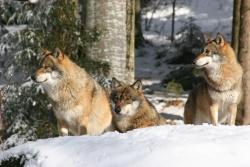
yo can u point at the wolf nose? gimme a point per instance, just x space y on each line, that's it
194 61
33 77
117 110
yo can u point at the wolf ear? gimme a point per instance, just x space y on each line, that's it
219 39
115 83
58 54
137 85
45 52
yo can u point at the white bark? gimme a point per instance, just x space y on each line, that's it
109 16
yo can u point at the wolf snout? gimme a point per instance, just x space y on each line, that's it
194 62
117 110
33 77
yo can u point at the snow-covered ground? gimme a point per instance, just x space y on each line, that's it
172 146
171 108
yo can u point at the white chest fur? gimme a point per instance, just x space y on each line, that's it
230 96
71 116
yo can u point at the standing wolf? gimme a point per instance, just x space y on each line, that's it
131 108
80 104
216 100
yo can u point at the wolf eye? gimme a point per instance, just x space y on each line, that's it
133 99
48 68
116 98
206 51
128 98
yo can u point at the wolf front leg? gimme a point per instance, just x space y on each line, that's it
82 130
232 112
214 109
62 129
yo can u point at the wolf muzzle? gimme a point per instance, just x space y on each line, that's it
118 107
117 110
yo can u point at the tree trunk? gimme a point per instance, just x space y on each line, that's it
83 9
109 17
236 26
2 122
138 30
244 57
173 21
130 28
78 9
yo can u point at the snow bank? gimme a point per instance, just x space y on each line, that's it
172 146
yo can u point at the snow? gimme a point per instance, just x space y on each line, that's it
166 109
33 1
171 146
15 28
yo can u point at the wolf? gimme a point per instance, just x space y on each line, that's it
132 109
80 104
215 101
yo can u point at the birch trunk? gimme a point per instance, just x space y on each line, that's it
109 16
130 27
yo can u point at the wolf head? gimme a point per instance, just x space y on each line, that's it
214 53
126 99
50 70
